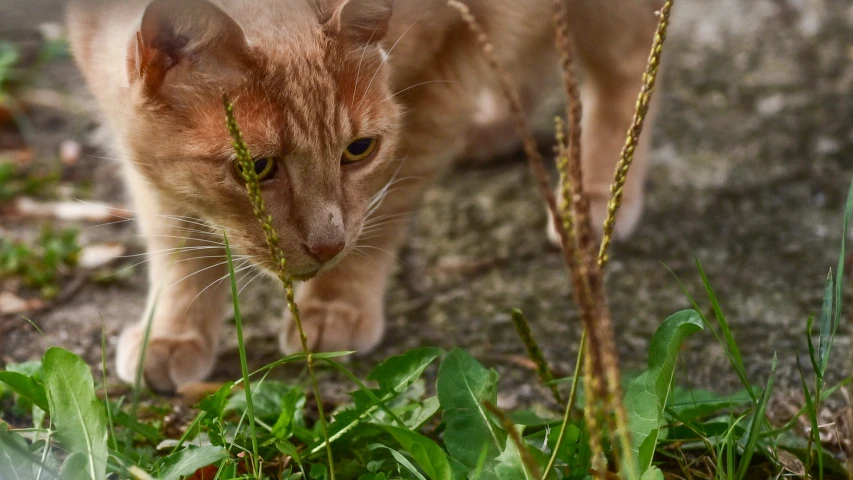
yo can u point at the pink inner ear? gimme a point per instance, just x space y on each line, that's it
366 21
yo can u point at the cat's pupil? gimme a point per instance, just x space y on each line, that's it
261 165
359 147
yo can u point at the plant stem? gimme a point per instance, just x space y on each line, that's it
244 366
569 405
253 189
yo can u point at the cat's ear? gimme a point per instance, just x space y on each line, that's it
362 21
180 37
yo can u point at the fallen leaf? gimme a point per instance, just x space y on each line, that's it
70 211
102 254
11 303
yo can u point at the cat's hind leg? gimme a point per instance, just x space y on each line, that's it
612 39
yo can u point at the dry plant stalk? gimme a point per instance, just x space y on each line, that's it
626 158
581 256
247 169
587 287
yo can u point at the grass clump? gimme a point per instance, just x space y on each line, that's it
41 264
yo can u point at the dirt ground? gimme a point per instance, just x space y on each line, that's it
753 155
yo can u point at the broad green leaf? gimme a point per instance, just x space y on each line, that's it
653 473
190 459
267 397
80 419
695 404
647 395
510 466
423 413
401 459
16 461
463 385
291 408
75 467
574 452
397 373
394 376
27 387
429 456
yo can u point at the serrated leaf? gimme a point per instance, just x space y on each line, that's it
463 386
429 456
190 459
399 372
647 395
291 408
80 419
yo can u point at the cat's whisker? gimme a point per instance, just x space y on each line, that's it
197 272
240 268
385 60
176 237
417 85
167 250
257 275
360 61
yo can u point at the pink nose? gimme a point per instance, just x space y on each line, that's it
324 252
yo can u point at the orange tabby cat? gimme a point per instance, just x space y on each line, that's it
351 108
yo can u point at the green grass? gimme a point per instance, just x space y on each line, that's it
40 264
393 428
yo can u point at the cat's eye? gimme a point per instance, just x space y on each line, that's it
359 149
264 168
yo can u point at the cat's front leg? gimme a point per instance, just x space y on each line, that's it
186 266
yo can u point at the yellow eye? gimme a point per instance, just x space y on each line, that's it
264 168
360 149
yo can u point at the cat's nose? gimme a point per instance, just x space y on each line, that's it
325 251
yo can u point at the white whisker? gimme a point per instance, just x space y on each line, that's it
384 60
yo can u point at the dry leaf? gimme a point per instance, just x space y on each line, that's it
102 254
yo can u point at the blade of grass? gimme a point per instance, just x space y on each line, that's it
244 367
814 435
140 368
756 424
110 423
839 275
738 367
734 350
572 396
826 328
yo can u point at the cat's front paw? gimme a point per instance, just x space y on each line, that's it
334 326
626 220
170 362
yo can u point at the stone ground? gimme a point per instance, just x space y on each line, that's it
753 155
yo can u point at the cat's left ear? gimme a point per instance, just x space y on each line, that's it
182 42
361 22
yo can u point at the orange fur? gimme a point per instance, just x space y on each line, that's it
307 77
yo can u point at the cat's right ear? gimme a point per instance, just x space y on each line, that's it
182 42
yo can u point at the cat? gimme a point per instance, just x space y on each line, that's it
351 109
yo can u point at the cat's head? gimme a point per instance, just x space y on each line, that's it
310 87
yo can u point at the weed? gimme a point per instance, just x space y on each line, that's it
40 265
